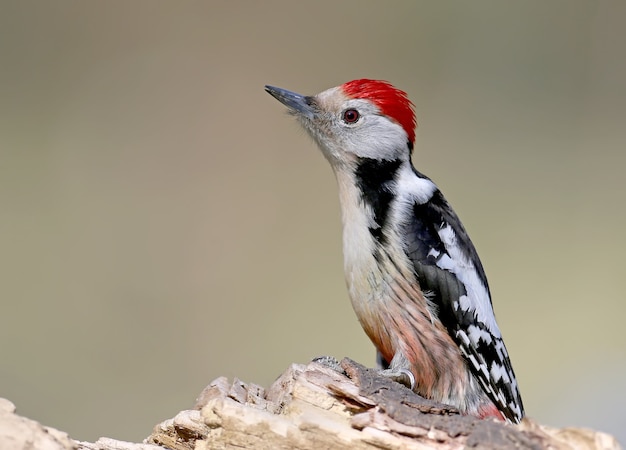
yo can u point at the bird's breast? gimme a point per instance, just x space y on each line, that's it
371 269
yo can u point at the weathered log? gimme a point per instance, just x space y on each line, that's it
324 404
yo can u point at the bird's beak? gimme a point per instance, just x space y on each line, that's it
297 103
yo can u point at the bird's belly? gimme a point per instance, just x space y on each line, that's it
377 289
368 291
398 319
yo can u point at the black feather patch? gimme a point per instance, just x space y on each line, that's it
375 179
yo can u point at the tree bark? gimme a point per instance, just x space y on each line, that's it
324 404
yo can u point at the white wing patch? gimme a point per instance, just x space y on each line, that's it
475 334
434 253
499 372
477 299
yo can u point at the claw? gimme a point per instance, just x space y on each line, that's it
409 375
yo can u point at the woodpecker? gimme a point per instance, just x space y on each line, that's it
413 275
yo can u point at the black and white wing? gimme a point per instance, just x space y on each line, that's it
447 266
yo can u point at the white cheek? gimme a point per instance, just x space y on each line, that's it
377 138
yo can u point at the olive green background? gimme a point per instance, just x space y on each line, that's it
164 222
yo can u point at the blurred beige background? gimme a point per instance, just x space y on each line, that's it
164 222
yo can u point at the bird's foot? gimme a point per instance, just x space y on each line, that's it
329 361
402 376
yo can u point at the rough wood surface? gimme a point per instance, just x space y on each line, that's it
324 404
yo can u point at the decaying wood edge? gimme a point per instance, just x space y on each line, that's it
324 404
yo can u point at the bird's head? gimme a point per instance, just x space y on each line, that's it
359 119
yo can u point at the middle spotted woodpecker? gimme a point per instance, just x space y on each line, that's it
413 275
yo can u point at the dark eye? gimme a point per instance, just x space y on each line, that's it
351 115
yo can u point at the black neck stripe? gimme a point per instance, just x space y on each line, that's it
375 180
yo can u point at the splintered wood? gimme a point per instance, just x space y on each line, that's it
345 406
323 405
